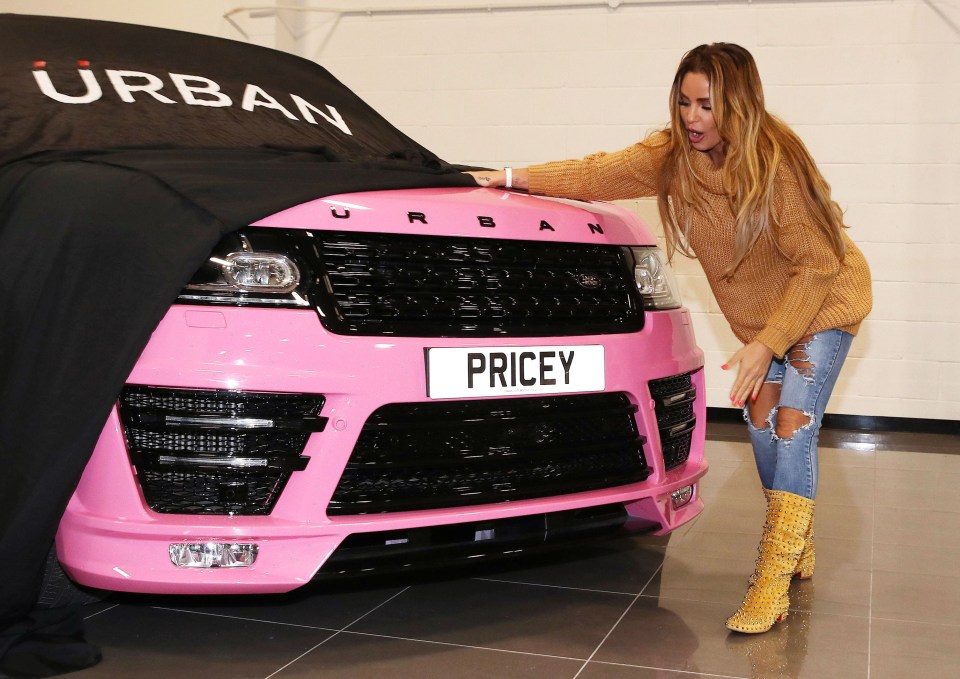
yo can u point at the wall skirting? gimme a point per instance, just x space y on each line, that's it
859 422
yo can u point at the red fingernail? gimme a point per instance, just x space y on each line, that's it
723 367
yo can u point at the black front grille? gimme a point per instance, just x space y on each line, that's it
674 398
413 456
216 451
419 286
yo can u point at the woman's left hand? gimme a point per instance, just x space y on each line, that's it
494 178
754 360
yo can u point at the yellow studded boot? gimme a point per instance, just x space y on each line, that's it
808 557
766 601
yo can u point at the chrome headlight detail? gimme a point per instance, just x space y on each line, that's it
259 271
655 279
256 267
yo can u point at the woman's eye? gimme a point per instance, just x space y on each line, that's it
707 107
684 103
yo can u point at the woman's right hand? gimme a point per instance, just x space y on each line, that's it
754 360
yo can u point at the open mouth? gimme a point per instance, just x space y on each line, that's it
695 136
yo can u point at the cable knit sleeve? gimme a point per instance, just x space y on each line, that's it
814 268
630 173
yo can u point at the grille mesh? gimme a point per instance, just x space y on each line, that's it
189 464
376 284
448 454
236 444
674 397
210 492
220 402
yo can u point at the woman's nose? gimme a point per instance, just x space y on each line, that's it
691 115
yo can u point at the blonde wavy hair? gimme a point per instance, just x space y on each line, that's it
756 143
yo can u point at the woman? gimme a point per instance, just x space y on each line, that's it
737 189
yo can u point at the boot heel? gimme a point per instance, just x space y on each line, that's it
808 557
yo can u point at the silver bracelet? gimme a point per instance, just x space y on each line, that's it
509 183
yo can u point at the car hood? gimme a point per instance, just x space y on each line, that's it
468 212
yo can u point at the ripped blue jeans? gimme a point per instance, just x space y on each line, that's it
806 375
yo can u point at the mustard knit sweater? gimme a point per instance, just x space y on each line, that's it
776 295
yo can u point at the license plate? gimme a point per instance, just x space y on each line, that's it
500 371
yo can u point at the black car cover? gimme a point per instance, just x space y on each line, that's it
126 153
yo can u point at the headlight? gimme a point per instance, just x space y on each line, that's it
259 271
256 267
655 279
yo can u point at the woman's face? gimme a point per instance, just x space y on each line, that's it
696 113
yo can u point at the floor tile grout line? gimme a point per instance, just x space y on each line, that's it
345 630
302 655
336 634
670 669
453 645
276 622
380 605
239 617
93 615
870 630
619 620
540 584
606 636
873 551
660 597
917 622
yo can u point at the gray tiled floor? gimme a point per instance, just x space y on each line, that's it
885 602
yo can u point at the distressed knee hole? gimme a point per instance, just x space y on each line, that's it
790 421
757 417
799 360
761 412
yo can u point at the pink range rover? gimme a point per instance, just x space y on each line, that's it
386 379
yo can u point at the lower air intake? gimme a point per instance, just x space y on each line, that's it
460 544
674 397
412 456
216 451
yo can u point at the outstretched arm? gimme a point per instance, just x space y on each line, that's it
520 178
630 173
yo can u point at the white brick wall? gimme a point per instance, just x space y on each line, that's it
183 15
873 87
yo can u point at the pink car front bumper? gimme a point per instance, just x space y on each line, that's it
110 539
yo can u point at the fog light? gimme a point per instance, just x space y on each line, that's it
213 554
681 496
